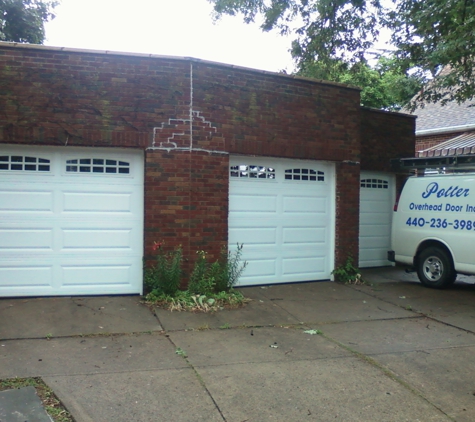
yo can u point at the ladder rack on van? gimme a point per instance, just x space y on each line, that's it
453 163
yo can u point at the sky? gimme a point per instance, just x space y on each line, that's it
182 28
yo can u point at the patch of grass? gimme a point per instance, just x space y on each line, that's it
50 402
225 326
186 301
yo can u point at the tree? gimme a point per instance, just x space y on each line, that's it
384 86
426 35
23 20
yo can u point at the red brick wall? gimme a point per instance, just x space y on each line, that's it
424 142
186 202
385 136
347 212
54 97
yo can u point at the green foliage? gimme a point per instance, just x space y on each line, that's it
219 276
384 86
23 20
348 273
426 36
202 280
165 275
210 284
186 301
180 352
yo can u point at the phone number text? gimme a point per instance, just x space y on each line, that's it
439 223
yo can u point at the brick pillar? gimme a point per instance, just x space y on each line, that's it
347 212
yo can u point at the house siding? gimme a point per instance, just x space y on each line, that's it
189 116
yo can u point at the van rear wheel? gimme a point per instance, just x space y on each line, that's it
435 268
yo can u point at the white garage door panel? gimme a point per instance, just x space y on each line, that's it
245 204
26 200
285 219
307 267
87 239
303 235
255 235
69 233
376 202
293 204
26 239
97 202
19 275
96 276
260 268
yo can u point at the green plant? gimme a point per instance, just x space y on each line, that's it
219 276
233 268
201 281
180 352
348 273
165 275
186 301
210 284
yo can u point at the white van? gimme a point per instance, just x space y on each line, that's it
433 227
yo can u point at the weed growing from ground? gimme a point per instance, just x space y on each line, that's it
348 273
210 285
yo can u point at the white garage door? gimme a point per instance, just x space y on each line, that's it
283 213
377 195
71 221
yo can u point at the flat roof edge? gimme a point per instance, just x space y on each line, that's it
177 58
377 110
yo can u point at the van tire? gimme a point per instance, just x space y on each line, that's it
435 268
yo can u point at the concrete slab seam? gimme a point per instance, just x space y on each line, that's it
387 372
419 314
400 352
94 335
200 379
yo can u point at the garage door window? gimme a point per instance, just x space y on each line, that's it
252 171
374 183
23 163
97 165
305 174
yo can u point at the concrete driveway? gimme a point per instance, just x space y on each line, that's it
393 351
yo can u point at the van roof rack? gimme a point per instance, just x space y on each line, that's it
453 163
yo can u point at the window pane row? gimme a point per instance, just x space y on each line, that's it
23 163
305 174
252 171
97 165
374 183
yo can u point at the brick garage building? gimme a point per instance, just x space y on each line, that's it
104 153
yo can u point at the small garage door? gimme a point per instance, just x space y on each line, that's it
283 213
71 221
377 195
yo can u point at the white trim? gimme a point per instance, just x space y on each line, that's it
447 129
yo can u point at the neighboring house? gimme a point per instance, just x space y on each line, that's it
445 130
102 153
